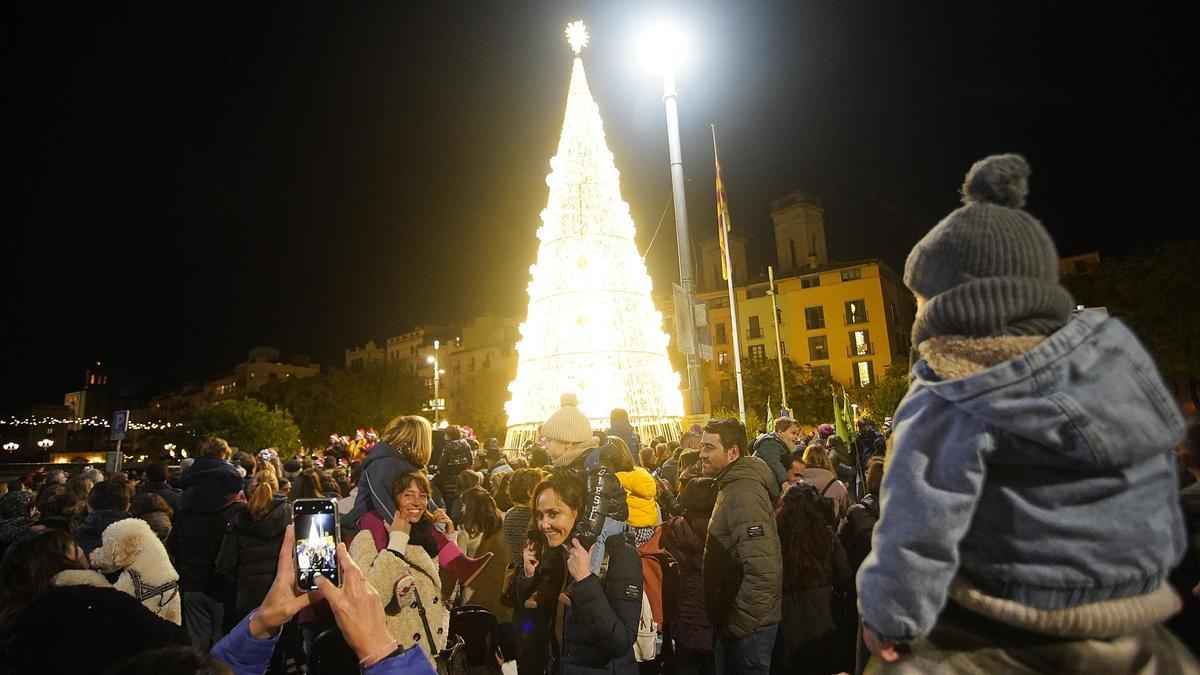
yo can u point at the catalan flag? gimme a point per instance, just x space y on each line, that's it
723 221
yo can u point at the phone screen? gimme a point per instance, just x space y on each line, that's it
317 531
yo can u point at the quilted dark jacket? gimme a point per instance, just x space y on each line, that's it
601 624
742 577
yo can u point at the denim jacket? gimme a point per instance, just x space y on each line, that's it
1048 479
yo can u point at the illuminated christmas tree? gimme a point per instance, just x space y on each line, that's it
591 326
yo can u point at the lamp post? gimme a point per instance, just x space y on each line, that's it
662 50
45 444
437 380
169 448
11 446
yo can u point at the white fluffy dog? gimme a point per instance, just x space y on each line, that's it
147 575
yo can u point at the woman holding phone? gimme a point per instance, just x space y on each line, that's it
597 617
405 572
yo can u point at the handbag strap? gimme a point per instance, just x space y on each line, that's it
433 648
828 485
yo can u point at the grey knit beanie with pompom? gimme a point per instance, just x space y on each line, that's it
989 268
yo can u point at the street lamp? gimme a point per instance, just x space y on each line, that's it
11 446
437 380
662 49
45 444
169 448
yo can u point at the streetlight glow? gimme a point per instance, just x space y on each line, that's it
662 48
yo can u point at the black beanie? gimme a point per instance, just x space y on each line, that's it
989 268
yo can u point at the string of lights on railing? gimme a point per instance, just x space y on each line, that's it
85 422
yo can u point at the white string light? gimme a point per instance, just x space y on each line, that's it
86 422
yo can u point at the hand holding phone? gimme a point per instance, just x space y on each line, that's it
318 528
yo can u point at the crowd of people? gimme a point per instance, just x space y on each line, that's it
1032 507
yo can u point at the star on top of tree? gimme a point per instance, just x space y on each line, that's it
577 36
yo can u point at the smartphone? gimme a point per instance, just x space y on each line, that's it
318 529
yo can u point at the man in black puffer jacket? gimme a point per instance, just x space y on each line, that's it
575 452
211 499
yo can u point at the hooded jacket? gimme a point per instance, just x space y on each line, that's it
772 449
379 470
641 491
1037 476
91 533
250 550
742 579
207 484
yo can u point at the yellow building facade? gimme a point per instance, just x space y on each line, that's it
849 320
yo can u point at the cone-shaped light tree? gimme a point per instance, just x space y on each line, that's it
591 326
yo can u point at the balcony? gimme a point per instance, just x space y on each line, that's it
866 349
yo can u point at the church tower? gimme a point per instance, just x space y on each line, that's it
799 232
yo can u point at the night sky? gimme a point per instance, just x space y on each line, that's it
189 181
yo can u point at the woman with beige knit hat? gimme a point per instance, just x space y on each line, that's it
576 453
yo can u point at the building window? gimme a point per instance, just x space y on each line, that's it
892 312
471 365
863 373
818 348
860 343
810 282
722 360
720 337
758 352
779 316
814 318
487 362
726 391
822 371
856 311
756 292
755 328
851 274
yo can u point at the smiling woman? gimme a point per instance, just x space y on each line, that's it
407 571
600 619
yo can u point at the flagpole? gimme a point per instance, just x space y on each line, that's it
778 342
722 231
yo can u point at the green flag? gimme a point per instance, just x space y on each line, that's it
839 421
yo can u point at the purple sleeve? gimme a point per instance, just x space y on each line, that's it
244 653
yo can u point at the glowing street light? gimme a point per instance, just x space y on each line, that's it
45 444
662 49
437 379
11 446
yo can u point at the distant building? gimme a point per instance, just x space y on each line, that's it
486 343
359 357
93 399
849 320
263 365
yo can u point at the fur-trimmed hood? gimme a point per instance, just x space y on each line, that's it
1071 392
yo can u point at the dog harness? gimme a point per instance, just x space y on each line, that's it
144 591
